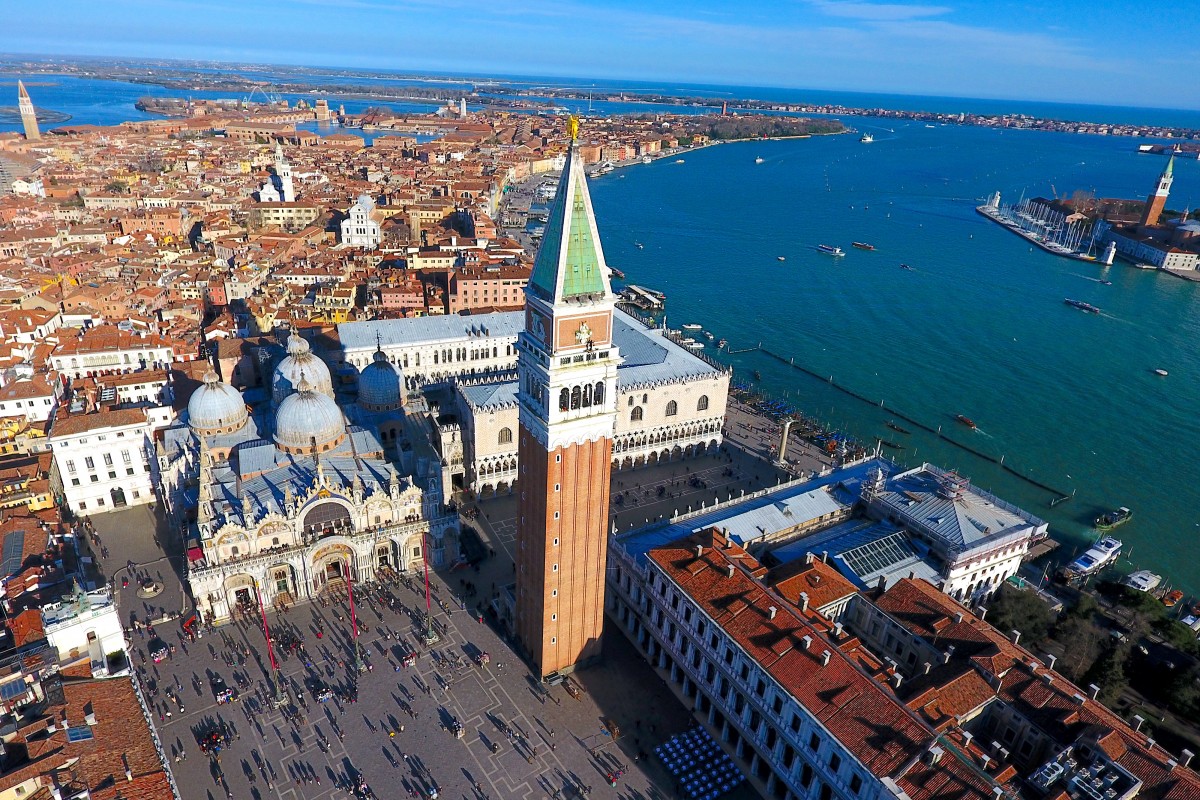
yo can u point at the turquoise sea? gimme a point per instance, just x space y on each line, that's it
978 328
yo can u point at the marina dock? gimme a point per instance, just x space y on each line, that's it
1045 228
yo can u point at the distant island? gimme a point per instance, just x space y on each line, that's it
502 94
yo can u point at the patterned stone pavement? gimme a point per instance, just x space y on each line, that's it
555 746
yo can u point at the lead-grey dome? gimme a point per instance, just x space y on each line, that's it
300 361
379 385
216 407
308 419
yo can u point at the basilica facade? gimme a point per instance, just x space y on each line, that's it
294 497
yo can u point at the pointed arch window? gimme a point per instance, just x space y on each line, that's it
564 399
575 398
598 394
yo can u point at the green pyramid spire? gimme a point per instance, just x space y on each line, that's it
570 262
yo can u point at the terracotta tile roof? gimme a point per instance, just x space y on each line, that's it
76 424
933 615
822 583
865 716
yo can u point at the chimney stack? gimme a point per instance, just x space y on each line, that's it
897 678
824 556
825 656
838 630
699 550
729 570
804 601
1138 719
809 558
967 737
1186 756
928 667
1149 743
958 618
982 613
985 759
1016 636
806 641
1094 690
771 612
1050 659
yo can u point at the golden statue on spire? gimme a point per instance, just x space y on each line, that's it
573 127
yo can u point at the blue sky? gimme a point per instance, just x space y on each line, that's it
1099 51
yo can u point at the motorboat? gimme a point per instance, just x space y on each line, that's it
830 250
965 420
1143 580
1161 372
692 326
1113 519
758 160
1098 556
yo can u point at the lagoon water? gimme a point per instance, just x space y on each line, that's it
977 328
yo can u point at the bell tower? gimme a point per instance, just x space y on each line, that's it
567 372
28 115
1156 202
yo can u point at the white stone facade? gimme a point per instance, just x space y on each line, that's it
106 467
360 229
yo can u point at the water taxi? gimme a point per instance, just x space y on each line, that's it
1098 556
965 420
758 160
863 245
780 258
866 138
679 161
692 326
694 345
1161 372
830 250
1113 519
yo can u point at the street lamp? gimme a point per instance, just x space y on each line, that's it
358 659
280 693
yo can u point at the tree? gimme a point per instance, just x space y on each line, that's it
116 187
1108 672
1014 609
1082 641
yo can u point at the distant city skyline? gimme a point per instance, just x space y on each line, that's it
966 48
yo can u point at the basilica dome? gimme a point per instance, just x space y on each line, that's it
308 418
216 407
379 385
300 360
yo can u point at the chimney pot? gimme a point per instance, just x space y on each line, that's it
1050 659
1080 699
928 667
1186 756
967 737
825 656
958 617
824 556
1094 690
771 612
1149 743
1016 636
897 678
1138 719
982 612
986 759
